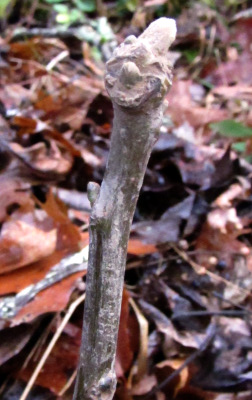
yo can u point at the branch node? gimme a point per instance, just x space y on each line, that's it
93 191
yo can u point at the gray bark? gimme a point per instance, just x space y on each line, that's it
137 79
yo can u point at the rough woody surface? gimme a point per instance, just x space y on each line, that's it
137 78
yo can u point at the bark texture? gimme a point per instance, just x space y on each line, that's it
137 78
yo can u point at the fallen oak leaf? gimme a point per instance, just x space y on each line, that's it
18 279
10 306
14 192
164 369
183 108
43 175
144 386
51 349
36 49
203 345
137 247
13 340
21 238
234 191
28 125
63 141
52 299
124 353
172 336
219 235
68 237
23 233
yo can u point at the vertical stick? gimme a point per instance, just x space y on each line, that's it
137 78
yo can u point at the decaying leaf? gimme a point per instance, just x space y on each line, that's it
21 238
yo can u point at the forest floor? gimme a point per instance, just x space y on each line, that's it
185 329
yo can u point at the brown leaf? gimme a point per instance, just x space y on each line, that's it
21 239
13 194
13 340
165 368
171 335
24 232
13 95
124 354
138 247
58 367
183 108
36 49
239 70
53 299
18 279
48 103
239 91
29 125
68 234
219 236
144 386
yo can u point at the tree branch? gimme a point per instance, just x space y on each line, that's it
137 79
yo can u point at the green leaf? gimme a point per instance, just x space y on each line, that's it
104 29
63 19
249 159
85 5
240 147
53 1
61 8
129 5
206 83
231 128
76 16
210 3
67 16
190 54
3 7
89 34
96 54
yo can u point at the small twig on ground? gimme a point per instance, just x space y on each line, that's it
50 346
199 269
204 345
232 303
68 383
206 313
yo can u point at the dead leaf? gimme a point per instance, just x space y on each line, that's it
219 237
18 279
164 369
21 238
58 367
13 193
124 354
144 386
53 299
138 247
171 334
13 340
182 107
68 234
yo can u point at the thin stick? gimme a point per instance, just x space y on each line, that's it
50 346
138 77
36 350
209 313
200 270
211 331
68 383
